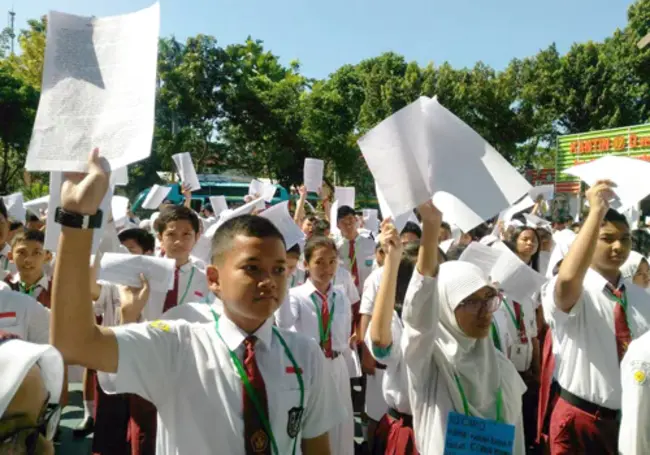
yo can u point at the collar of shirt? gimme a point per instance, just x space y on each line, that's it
595 280
186 267
234 336
308 289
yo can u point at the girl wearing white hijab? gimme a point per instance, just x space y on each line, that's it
451 363
636 269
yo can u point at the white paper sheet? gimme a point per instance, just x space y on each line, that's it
119 209
535 221
482 256
264 190
518 280
280 217
313 174
15 206
186 171
36 205
239 211
629 174
519 206
424 150
546 191
371 220
99 90
334 219
345 195
445 245
54 229
155 197
219 204
125 269
399 221
120 176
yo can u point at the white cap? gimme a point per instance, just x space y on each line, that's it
17 357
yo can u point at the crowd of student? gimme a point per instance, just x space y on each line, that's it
255 351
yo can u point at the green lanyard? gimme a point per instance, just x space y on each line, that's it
5 259
23 289
187 288
466 403
324 331
293 280
512 315
495 337
249 388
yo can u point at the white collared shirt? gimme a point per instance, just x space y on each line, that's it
345 281
365 255
42 285
370 289
6 265
108 304
305 320
395 382
186 371
22 315
584 344
521 353
634 435
195 312
505 328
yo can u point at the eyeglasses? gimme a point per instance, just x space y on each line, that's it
488 305
46 425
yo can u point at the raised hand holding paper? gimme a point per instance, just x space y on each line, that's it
186 171
313 174
99 90
155 197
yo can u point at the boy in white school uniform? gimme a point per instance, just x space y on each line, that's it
593 316
323 312
6 266
203 378
22 315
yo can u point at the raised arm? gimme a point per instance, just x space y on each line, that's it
73 328
187 194
382 314
568 285
300 206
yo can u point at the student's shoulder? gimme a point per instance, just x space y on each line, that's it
11 300
366 241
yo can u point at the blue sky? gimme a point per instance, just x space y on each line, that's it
327 34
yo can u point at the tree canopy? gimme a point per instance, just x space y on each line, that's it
239 108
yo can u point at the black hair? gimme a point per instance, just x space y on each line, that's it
15 225
294 250
454 252
512 244
320 227
405 272
311 218
316 242
209 208
32 218
445 225
3 209
344 210
246 225
612 216
142 237
30 235
556 268
411 228
171 213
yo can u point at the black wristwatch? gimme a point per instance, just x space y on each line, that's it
78 221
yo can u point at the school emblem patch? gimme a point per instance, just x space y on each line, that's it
640 371
293 421
160 325
259 441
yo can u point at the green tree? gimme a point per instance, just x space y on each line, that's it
28 64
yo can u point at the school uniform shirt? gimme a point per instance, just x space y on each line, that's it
186 371
40 291
344 281
364 255
370 289
505 330
584 344
6 266
22 315
107 304
634 435
195 312
395 381
521 351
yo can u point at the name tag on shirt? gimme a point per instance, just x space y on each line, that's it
521 356
473 436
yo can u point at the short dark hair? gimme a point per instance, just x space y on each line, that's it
411 228
3 209
246 225
32 218
344 210
310 218
612 216
15 225
142 237
30 235
317 242
454 252
320 227
176 213
405 272
445 225
295 249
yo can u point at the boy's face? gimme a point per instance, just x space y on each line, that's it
292 263
250 279
178 239
408 237
307 226
348 227
613 247
322 265
133 246
445 234
380 256
29 257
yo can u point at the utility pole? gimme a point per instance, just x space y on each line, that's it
12 33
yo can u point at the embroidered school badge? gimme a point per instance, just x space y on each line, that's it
160 325
293 421
639 377
640 372
259 441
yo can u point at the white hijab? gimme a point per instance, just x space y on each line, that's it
630 267
480 367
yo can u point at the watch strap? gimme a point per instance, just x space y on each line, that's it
77 220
